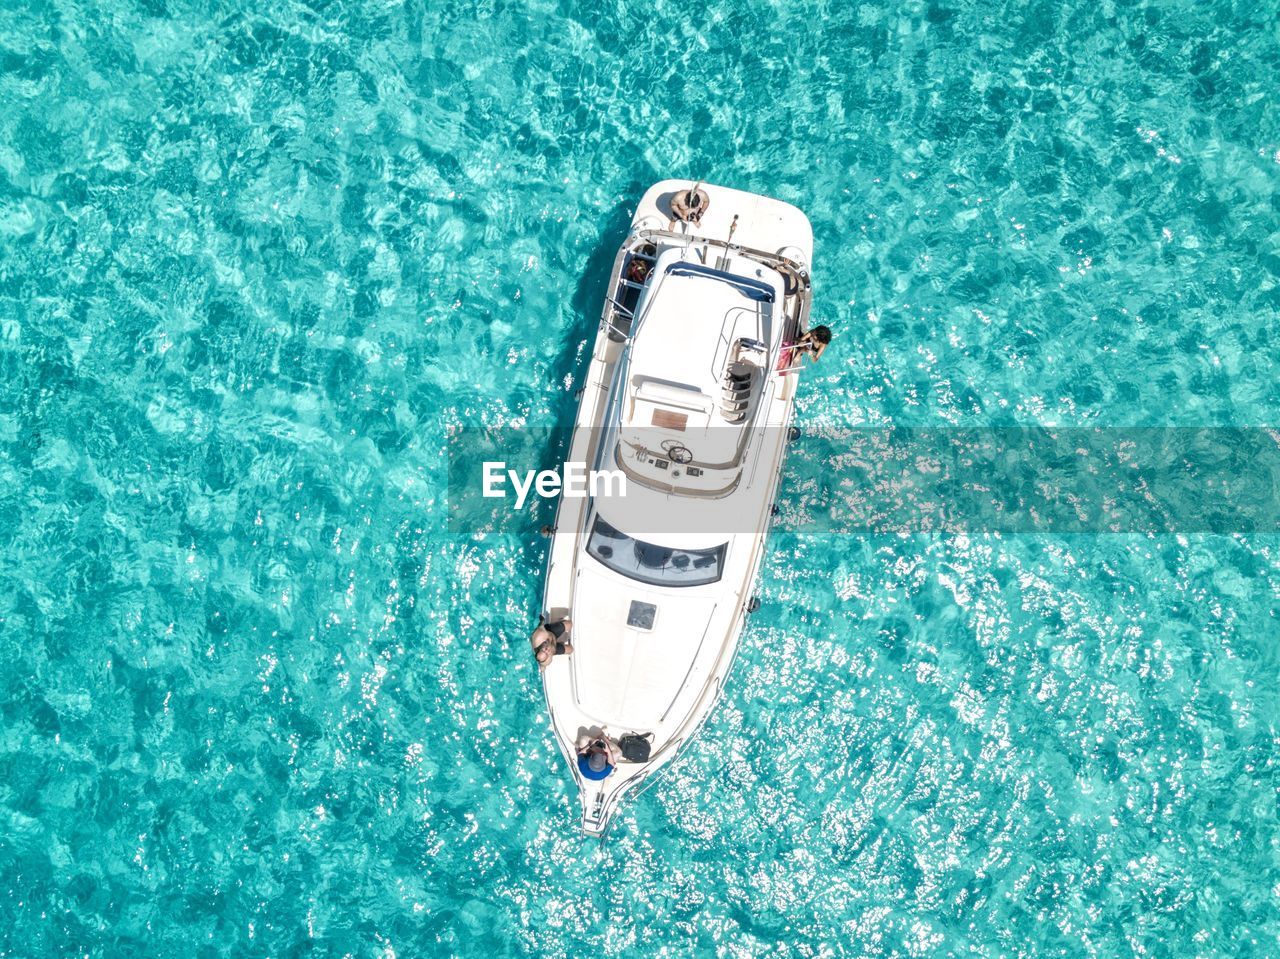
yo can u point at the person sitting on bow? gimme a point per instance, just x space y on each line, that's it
598 754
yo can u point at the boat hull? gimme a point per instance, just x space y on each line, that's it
735 228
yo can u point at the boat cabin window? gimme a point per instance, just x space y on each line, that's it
655 565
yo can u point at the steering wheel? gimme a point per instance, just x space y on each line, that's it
678 454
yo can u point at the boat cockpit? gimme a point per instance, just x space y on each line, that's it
704 341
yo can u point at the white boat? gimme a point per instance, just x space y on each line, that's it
690 395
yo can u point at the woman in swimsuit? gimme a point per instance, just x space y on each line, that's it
813 342
550 640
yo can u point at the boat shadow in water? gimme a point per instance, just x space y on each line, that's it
570 364
590 295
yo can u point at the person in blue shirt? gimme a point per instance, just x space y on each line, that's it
598 754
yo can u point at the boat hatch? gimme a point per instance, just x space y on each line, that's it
641 615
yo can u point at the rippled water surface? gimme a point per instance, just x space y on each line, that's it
256 264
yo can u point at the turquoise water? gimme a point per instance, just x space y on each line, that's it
257 263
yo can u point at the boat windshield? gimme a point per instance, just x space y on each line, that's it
655 565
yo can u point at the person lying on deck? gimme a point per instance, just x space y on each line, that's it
550 640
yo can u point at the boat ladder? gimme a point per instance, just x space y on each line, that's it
736 395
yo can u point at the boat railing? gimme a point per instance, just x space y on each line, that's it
616 329
764 255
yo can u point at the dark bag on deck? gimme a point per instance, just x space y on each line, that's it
635 748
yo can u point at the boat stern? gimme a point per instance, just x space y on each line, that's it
732 216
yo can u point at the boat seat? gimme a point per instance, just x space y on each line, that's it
664 393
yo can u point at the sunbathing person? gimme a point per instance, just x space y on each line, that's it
550 640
